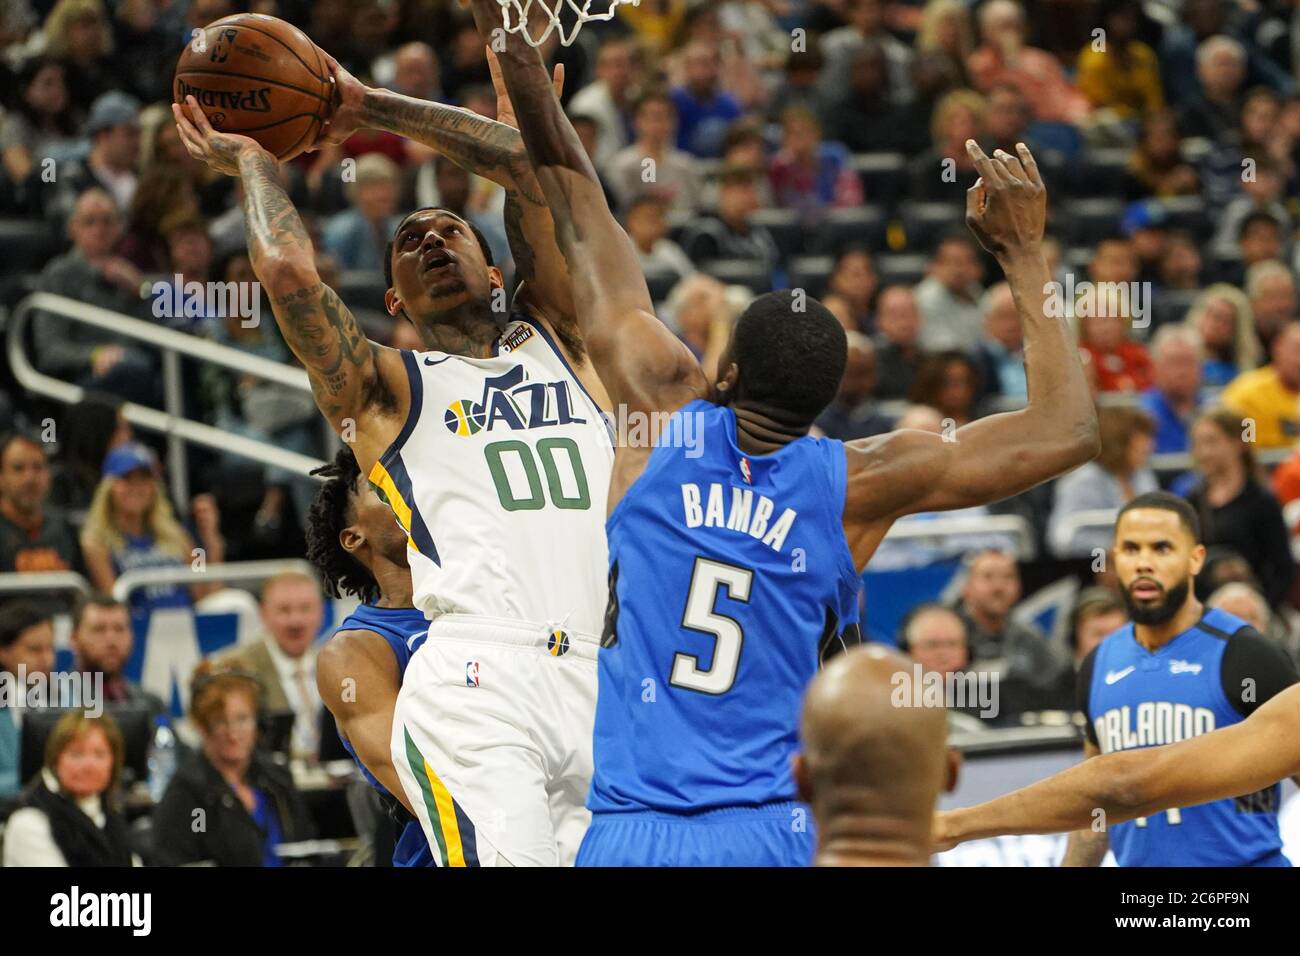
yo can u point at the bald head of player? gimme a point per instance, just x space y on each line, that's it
871 770
783 364
441 276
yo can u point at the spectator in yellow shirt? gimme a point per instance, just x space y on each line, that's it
1118 72
1270 396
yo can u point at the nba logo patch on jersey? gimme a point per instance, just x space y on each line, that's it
744 471
557 643
471 674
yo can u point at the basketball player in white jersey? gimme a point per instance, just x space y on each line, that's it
492 451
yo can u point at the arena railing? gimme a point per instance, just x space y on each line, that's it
235 571
170 421
25 582
1013 526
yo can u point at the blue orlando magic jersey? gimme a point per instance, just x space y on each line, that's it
404 628
1213 674
728 574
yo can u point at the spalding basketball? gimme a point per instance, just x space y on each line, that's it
258 76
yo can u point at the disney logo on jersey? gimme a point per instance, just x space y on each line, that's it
511 401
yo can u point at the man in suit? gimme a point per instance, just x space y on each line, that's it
284 659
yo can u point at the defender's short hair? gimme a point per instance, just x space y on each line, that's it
792 360
1165 501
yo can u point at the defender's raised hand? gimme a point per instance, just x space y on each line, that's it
218 150
506 108
1007 206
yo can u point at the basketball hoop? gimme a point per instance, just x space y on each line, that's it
518 10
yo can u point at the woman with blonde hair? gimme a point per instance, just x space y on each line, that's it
1222 316
79 35
70 814
131 525
946 28
945 171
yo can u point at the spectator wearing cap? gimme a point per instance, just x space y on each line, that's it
898 350
1173 399
1001 345
114 130
1222 319
26 649
704 109
34 535
949 295
131 526
732 233
357 236
92 273
1270 396
855 412
102 643
653 165
1118 475
1004 57
810 175
1123 76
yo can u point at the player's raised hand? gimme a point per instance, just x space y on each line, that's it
218 150
1007 206
346 109
505 108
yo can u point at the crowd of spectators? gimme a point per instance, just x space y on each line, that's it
746 145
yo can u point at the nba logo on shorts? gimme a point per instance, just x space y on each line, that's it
471 673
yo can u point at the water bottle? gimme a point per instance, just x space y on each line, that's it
162 758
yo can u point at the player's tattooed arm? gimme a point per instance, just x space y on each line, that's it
642 365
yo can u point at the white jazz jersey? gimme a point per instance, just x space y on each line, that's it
500 478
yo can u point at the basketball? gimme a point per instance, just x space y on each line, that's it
258 76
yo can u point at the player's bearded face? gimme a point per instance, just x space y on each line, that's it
1155 561
438 266
1150 603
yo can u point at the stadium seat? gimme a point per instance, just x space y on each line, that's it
744 272
1088 221
925 223
905 269
884 176
1188 213
859 226
1100 172
811 273
785 228
25 245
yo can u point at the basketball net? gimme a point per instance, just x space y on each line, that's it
516 17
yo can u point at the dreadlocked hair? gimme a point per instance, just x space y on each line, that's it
343 574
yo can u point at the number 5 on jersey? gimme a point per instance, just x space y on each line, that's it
700 615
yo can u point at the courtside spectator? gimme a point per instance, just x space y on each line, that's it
26 649
114 130
1222 317
248 800
1174 398
1118 475
948 297
1097 613
1268 396
1237 512
284 660
951 384
71 814
34 535
358 236
935 637
102 643
131 526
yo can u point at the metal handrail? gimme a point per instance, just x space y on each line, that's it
1013 525
171 422
232 571
25 581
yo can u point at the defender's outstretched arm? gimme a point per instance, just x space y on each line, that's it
1239 759
643 365
1001 455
